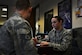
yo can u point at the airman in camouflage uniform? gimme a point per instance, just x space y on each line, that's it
16 36
59 38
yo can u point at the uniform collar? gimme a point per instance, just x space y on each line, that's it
58 30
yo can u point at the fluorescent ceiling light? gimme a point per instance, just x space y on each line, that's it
4 9
3 15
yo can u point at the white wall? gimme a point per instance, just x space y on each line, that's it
53 4
45 6
76 21
48 5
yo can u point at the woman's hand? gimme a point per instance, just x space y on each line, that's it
44 43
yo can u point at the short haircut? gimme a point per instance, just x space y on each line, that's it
22 4
58 18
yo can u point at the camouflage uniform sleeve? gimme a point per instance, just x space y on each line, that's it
6 42
23 32
20 32
67 37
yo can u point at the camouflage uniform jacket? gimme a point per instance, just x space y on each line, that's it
16 37
59 40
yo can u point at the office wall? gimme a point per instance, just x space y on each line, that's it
46 6
76 21
10 4
53 4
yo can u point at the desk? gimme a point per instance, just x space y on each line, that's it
48 51
45 50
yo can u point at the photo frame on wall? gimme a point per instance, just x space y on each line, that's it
64 11
3 12
79 8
